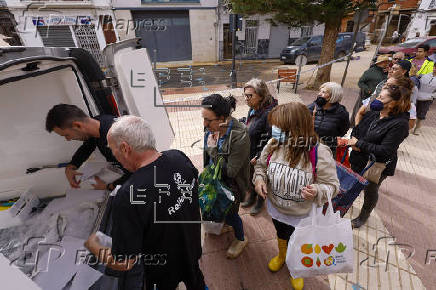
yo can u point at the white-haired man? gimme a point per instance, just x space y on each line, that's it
154 212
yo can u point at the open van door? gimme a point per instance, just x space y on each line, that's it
131 75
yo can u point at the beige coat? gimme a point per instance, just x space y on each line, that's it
285 183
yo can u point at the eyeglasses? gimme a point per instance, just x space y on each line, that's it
209 121
248 96
396 58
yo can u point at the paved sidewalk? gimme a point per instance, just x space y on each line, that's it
403 212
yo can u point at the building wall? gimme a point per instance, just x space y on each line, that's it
124 24
203 25
421 20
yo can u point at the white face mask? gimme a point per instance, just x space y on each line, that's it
278 134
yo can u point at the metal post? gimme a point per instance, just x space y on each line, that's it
384 32
399 21
233 73
353 44
155 58
298 76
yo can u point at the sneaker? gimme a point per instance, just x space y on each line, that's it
236 248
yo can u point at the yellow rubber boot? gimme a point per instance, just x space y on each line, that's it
297 283
277 262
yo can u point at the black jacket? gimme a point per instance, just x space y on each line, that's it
331 123
258 128
370 79
82 154
381 137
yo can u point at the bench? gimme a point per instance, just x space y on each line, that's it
286 76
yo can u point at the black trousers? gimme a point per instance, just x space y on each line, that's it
370 197
192 278
284 231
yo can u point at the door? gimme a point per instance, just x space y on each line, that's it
227 42
314 48
56 36
167 32
278 40
251 37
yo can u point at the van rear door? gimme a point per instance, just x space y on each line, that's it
136 90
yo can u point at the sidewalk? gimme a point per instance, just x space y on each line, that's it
399 214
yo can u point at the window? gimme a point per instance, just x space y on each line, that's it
316 41
431 43
306 31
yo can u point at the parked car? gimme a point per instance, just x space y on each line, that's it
33 80
410 46
310 47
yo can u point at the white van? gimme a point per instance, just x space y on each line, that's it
42 234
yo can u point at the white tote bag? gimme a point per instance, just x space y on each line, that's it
321 245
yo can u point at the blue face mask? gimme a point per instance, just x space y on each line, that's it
278 134
376 105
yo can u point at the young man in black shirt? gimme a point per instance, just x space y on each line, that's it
156 215
72 123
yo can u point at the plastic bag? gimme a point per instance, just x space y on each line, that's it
321 245
214 197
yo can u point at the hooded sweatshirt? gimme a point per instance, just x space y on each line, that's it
285 183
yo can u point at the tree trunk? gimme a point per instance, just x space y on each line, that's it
331 31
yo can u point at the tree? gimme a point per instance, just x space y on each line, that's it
304 12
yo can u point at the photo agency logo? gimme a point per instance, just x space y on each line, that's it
104 257
38 14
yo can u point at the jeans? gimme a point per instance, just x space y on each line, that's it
234 220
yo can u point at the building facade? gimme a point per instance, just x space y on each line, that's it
68 23
171 30
424 20
259 38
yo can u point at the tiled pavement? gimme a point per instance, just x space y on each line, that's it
404 219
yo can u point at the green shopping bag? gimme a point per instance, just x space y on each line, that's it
215 198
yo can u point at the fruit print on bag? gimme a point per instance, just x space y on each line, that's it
307 261
328 249
307 249
317 249
340 248
329 261
318 262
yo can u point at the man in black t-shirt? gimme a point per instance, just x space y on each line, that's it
72 123
156 215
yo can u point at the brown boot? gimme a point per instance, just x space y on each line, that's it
236 248
418 126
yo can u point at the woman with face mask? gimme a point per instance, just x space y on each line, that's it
331 119
380 132
285 175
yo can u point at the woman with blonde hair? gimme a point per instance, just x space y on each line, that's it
330 117
286 176
260 101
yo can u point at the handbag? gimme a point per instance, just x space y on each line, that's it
215 198
321 245
374 170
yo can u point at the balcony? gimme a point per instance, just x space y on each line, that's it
35 4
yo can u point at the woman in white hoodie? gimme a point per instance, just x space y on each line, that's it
425 98
286 177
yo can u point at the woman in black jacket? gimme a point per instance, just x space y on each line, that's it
330 117
380 132
261 102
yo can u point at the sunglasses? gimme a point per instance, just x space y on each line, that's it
248 96
395 58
